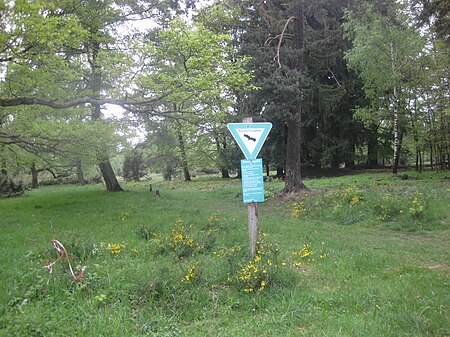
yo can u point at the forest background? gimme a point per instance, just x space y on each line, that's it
346 84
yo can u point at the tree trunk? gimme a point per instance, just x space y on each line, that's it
335 162
441 157
372 148
239 174
80 174
220 152
416 138
293 178
3 162
112 185
396 158
397 130
34 177
431 156
225 173
184 162
418 159
280 172
445 126
108 175
293 182
397 135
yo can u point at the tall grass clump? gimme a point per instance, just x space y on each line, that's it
345 204
405 207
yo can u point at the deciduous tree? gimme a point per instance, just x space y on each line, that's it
385 49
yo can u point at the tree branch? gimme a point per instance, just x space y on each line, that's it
272 38
335 78
277 57
16 101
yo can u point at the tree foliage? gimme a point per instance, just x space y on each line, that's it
201 74
387 52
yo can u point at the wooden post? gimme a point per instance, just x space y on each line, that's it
253 223
253 220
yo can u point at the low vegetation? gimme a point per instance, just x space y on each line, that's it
360 255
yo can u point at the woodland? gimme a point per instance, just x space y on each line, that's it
135 96
93 90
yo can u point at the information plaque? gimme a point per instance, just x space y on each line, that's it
252 180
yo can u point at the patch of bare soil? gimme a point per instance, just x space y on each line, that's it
298 195
314 173
439 266
434 238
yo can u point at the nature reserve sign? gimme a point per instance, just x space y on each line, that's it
250 137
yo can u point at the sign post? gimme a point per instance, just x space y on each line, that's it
250 137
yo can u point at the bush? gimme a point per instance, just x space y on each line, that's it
9 188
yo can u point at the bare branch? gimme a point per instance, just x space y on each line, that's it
272 38
277 57
335 78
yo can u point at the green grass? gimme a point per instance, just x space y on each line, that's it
379 264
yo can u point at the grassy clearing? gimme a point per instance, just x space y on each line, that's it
361 255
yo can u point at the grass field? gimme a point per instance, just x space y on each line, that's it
359 255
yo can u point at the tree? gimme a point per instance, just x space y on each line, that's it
57 142
436 14
384 51
279 64
199 70
330 133
430 104
51 68
293 177
160 149
64 54
223 17
133 165
306 89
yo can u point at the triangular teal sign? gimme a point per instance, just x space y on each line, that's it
250 137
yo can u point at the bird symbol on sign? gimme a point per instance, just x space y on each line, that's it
249 138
